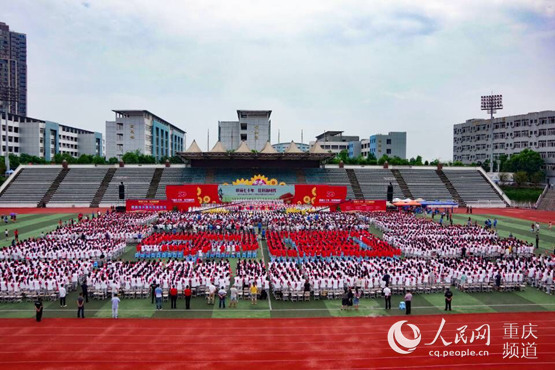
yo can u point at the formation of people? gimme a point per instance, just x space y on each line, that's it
318 253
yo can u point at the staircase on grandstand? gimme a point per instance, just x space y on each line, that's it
89 185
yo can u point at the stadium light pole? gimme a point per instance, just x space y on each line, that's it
491 103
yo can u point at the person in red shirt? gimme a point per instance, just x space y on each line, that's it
187 294
173 296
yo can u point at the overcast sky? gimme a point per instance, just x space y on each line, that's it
364 67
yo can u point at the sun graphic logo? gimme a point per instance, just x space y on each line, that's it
397 340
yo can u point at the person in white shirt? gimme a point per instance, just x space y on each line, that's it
211 293
115 306
387 295
63 293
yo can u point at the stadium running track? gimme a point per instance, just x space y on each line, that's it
337 343
524 214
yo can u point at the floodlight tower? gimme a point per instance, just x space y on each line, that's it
491 103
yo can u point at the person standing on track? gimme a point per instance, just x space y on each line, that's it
222 293
115 306
38 309
81 306
187 293
62 292
448 299
387 295
173 297
158 294
408 301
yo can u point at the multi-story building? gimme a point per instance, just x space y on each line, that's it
253 127
478 140
394 144
359 148
143 131
13 71
334 141
45 139
281 147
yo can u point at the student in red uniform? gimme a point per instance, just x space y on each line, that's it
173 296
187 294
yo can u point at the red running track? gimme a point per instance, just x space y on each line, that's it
334 343
524 214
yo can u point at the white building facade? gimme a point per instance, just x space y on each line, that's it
45 139
477 140
253 127
141 130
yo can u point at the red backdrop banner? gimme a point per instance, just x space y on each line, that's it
152 205
319 195
328 195
192 195
364 205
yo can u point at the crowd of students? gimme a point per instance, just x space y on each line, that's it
223 244
421 237
332 251
328 243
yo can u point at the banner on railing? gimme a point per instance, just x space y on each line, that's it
148 205
363 205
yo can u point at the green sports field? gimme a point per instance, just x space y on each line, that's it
529 300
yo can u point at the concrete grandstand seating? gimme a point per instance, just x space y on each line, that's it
80 184
136 181
78 187
30 186
473 188
330 176
374 181
425 184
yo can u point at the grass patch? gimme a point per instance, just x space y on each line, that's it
522 194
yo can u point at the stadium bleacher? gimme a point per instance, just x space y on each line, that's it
425 184
30 186
86 180
81 183
373 183
136 181
473 188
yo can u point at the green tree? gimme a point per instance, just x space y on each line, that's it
527 160
145 159
343 155
131 157
484 165
113 160
416 161
371 157
98 160
176 159
383 159
520 177
85 159
537 177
